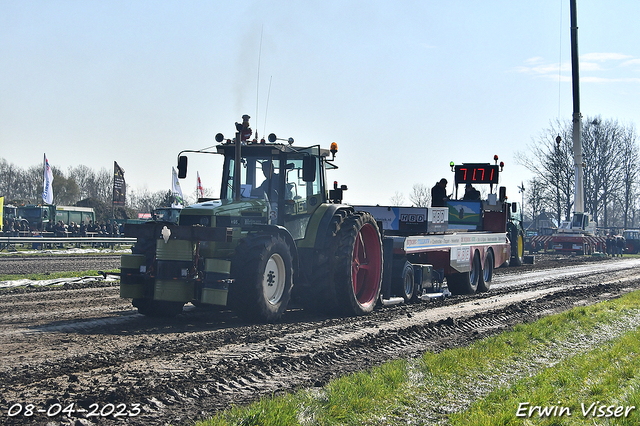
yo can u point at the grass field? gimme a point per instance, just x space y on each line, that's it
576 368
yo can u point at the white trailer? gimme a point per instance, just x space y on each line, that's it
424 258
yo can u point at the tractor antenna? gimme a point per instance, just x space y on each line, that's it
258 79
266 109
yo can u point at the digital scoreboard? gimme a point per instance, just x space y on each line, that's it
476 173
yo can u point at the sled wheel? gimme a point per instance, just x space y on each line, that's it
403 281
466 282
484 284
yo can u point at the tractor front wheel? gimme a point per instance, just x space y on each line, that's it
263 268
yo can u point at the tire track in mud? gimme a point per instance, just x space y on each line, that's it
200 363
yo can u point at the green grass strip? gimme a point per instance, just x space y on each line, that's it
602 384
346 401
584 356
52 275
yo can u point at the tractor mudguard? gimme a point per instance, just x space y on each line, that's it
320 231
284 233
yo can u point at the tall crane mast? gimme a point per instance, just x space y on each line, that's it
578 206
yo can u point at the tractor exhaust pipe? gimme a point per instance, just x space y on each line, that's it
236 168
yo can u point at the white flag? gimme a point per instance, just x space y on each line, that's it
177 191
47 191
199 187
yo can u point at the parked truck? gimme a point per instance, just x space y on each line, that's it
42 217
632 241
280 234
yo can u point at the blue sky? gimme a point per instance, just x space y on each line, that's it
403 87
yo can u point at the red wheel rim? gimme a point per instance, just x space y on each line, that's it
366 265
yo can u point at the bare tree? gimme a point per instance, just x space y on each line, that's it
65 190
610 156
10 175
103 185
397 199
602 148
629 159
32 182
551 161
535 200
84 178
144 201
420 195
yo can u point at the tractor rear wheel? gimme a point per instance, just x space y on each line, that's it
263 268
358 270
348 273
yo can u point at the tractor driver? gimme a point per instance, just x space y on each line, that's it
270 184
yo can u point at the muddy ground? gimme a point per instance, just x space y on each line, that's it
84 350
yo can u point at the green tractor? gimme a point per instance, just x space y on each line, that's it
276 234
516 234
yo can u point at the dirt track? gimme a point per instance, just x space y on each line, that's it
84 348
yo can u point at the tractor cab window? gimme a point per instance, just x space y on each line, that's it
267 178
296 186
259 178
290 176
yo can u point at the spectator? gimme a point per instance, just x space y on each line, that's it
439 194
9 228
59 229
619 245
470 193
116 229
609 245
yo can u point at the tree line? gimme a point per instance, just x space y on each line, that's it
611 162
79 185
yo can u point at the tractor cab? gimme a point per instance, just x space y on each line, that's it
288 181
263 183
